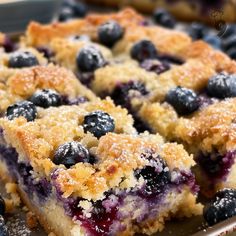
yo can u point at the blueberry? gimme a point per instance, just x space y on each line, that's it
23 108
164 18
125 91
46 98
155 66
226 193
222 86
65 14
230 30
109 33
2 206
229 43
21 59
232 53
213 40
155 178
78 9
98 123
143 50
3 227
197 30
222 207
184 101
8 45
89 59
70 153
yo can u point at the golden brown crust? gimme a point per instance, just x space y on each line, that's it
2 38
19 84
38 34
210 128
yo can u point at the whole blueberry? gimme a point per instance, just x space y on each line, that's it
89 59
70 153
22 59
184 101
222 207
23 108
226 193
197 30
230 30
65 14
143 50
98 123
229 43
3 227
232 53
164 18
213 40
46 98
156 178
2 206
222 85
109 33
79 9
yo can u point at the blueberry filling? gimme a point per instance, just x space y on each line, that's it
2 206
107 215
85 77
74 101
124 92
215 165
23 173
46 52
155 66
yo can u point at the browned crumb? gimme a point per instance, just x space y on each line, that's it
31 220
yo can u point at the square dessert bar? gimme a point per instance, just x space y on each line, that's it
43 85
112 184
161 77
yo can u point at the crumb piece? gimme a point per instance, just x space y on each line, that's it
11 188
31 220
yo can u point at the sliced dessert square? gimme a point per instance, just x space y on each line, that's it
115 184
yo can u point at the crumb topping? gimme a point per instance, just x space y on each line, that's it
211 128
20 84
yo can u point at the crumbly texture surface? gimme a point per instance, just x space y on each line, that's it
20 84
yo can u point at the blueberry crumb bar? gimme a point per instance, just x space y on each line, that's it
111 184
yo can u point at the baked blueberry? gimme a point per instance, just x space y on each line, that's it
213 40
8 45
2 206
155 178
222 207
124 91
232 53
222 85
23 108
109 33
197 30
3 227
22 59
155 66
98 123
79 9
89 59
230 42
226 193
70 153
164 18
143 50
230 30
46 98
65 14
184 101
